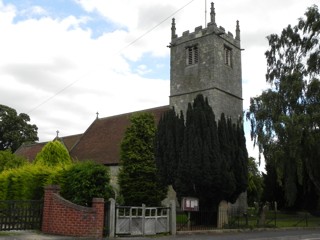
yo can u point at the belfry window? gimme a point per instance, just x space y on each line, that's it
228 56
192 54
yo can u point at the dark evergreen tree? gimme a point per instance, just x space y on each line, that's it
169 139
210 162
138 179
240 160
199 171
227 146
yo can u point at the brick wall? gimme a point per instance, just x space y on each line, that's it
62 217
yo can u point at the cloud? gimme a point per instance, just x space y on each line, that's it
33 11
62 64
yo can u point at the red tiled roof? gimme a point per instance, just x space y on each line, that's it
70 141
30 151
101 141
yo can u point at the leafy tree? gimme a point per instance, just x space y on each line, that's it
9 160
255 182
138 179
15 129
212 160
285 119
53 154
273 189
82 181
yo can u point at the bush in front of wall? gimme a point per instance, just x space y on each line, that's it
82 181
26 182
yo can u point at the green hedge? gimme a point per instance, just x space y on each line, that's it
9 160
82 181
26 182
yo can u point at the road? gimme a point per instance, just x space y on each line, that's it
272 234
269 234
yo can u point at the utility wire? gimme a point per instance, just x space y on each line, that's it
157 25
130 44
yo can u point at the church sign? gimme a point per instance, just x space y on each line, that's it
190 204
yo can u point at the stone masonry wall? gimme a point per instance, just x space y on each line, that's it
221 83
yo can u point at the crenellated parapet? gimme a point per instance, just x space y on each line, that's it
211 28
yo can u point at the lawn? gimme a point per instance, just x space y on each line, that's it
279 219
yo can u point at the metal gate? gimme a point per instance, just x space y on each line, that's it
20 215
141 220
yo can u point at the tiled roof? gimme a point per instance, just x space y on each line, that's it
70 141
100 142
30 151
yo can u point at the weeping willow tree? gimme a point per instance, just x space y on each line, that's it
285 119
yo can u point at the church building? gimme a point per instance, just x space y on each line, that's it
206 61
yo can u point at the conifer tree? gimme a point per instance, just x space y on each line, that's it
212 160
198 169
169 138
54 153
138 179
228 185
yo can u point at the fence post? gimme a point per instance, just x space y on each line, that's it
143 218
112 217
275 213
173 218
306 219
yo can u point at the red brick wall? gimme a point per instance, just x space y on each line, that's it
62 217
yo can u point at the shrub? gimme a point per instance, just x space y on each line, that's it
26 182
9 160
53 154
83 181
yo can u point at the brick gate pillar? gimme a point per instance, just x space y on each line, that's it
98 205
49 191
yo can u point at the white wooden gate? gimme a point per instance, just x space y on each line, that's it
142 220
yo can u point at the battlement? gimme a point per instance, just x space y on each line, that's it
211 28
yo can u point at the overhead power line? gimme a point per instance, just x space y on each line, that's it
128 45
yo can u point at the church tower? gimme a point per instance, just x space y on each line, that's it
207 61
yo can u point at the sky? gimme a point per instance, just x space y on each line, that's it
62 61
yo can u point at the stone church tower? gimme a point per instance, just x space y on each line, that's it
207 61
